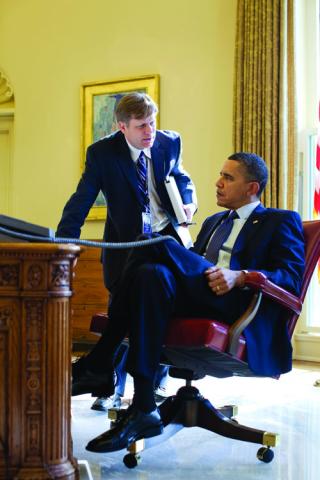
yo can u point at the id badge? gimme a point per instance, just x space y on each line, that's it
146 222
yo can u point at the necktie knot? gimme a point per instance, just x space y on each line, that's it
232 215
219 237
141 160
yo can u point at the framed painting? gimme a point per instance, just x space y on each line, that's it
98 101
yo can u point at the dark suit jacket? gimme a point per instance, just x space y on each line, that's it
272 242
109 168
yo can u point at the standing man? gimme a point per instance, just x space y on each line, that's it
166 280
130 167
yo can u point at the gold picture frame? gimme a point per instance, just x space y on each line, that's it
98 100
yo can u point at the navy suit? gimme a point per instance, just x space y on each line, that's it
110 169
272 242
165 280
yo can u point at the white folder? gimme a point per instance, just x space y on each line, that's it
176 200
177 205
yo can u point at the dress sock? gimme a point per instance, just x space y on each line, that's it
143 398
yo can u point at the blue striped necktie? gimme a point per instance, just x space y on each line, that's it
142 175
219 237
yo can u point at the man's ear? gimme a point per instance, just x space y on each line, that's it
254 188
122 126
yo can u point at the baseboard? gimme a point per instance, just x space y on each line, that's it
307 347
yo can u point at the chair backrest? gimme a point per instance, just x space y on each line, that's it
312 253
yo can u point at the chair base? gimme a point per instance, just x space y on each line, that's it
188 408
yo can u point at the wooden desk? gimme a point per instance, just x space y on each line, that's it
89 295
35 360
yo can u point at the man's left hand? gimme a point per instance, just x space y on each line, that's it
222 280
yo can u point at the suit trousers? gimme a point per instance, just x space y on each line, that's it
161 281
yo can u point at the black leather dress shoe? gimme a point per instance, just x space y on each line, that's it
85 381
132 426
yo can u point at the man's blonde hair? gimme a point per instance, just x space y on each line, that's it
135 105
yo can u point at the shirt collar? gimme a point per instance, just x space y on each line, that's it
135 152
245 211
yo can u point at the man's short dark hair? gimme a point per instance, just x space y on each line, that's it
135 105
255 168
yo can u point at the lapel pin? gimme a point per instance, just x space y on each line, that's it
255 221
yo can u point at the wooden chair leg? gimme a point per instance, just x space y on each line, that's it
171 411
214 420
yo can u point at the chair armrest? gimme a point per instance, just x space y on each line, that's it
242 322
257 281
262 287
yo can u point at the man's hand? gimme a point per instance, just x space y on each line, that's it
222 280
189 209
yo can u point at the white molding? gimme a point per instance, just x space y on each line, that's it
307 347
6 112
307 358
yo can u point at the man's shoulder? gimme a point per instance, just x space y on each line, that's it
216 215
167 135
109 140
267 213
277 212
212 219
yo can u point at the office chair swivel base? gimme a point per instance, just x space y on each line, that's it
188 408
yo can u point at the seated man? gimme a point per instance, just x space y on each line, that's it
166 280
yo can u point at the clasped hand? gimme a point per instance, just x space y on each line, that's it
222 280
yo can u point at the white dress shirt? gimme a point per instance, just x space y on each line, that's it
159 219
226 249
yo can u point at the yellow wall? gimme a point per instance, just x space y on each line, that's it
49 48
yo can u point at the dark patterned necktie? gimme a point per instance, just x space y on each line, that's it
220 235
142 174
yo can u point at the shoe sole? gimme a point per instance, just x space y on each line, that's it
99 409
147 433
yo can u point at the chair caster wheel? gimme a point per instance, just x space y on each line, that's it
131 460
265 454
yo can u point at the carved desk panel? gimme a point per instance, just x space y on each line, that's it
35 360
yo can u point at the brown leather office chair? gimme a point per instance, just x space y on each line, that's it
197 347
